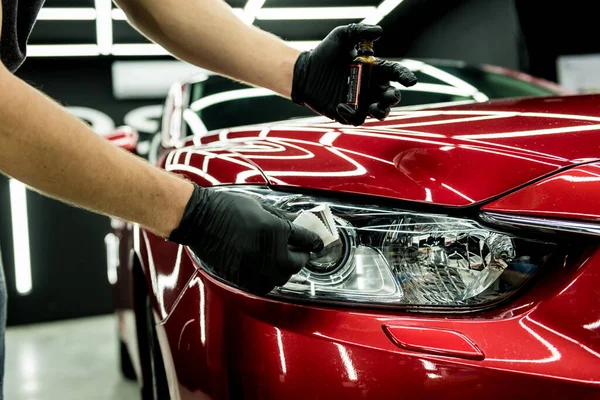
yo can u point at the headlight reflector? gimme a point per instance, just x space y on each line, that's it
397 257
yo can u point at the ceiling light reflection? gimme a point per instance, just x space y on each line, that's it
517 149
222 97
571 178
592 325
169 281
281 352
554 353
352 375
195 123
397 136
453 81
182 332
533 132
152 270
381 160
464 196
451 121
505 154
202 311
428 365
428 197
570 339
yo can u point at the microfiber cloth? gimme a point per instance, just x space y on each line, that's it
320 221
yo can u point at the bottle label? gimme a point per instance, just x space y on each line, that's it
354 84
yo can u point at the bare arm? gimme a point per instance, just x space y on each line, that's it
207 33
48 149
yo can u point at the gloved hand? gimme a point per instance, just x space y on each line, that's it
321 76
244 242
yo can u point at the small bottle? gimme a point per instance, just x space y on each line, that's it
360 77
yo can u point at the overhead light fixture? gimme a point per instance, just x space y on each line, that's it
111 241
118 14
104 28
304 45
222 97
239 12
138 49
121 49
195 123
310 13
251 9
433 88
67 14
62 50
386 7
20 233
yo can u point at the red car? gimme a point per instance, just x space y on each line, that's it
468 264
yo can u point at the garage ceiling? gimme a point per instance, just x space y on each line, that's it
97 27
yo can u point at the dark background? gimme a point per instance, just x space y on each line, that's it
67 248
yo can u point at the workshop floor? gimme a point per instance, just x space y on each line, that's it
69 360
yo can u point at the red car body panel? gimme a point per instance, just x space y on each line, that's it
571 194
227 344
452 156
168 270
219 342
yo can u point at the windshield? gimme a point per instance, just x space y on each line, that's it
221 103
497 85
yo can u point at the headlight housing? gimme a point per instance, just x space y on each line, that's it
397 257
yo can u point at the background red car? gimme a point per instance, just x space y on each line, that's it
468 262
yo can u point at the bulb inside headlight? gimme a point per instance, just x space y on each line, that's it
392 256
335 255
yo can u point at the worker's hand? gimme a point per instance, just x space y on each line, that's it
321 76
244 242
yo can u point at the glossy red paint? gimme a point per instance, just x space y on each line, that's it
166 270
227 344
571 194
433 340
454 156
212 166
218 342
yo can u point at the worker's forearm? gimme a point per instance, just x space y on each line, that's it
208 34
50 150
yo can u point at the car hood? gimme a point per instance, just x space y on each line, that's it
453 156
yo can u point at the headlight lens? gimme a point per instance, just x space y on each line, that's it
392 256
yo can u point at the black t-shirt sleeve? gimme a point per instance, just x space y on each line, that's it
18 18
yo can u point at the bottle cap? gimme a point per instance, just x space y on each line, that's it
365 48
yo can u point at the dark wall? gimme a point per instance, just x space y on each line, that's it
475 31
555 29
67 247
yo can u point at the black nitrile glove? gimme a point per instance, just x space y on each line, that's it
321 76
248 244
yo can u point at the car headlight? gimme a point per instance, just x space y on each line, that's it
393 256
